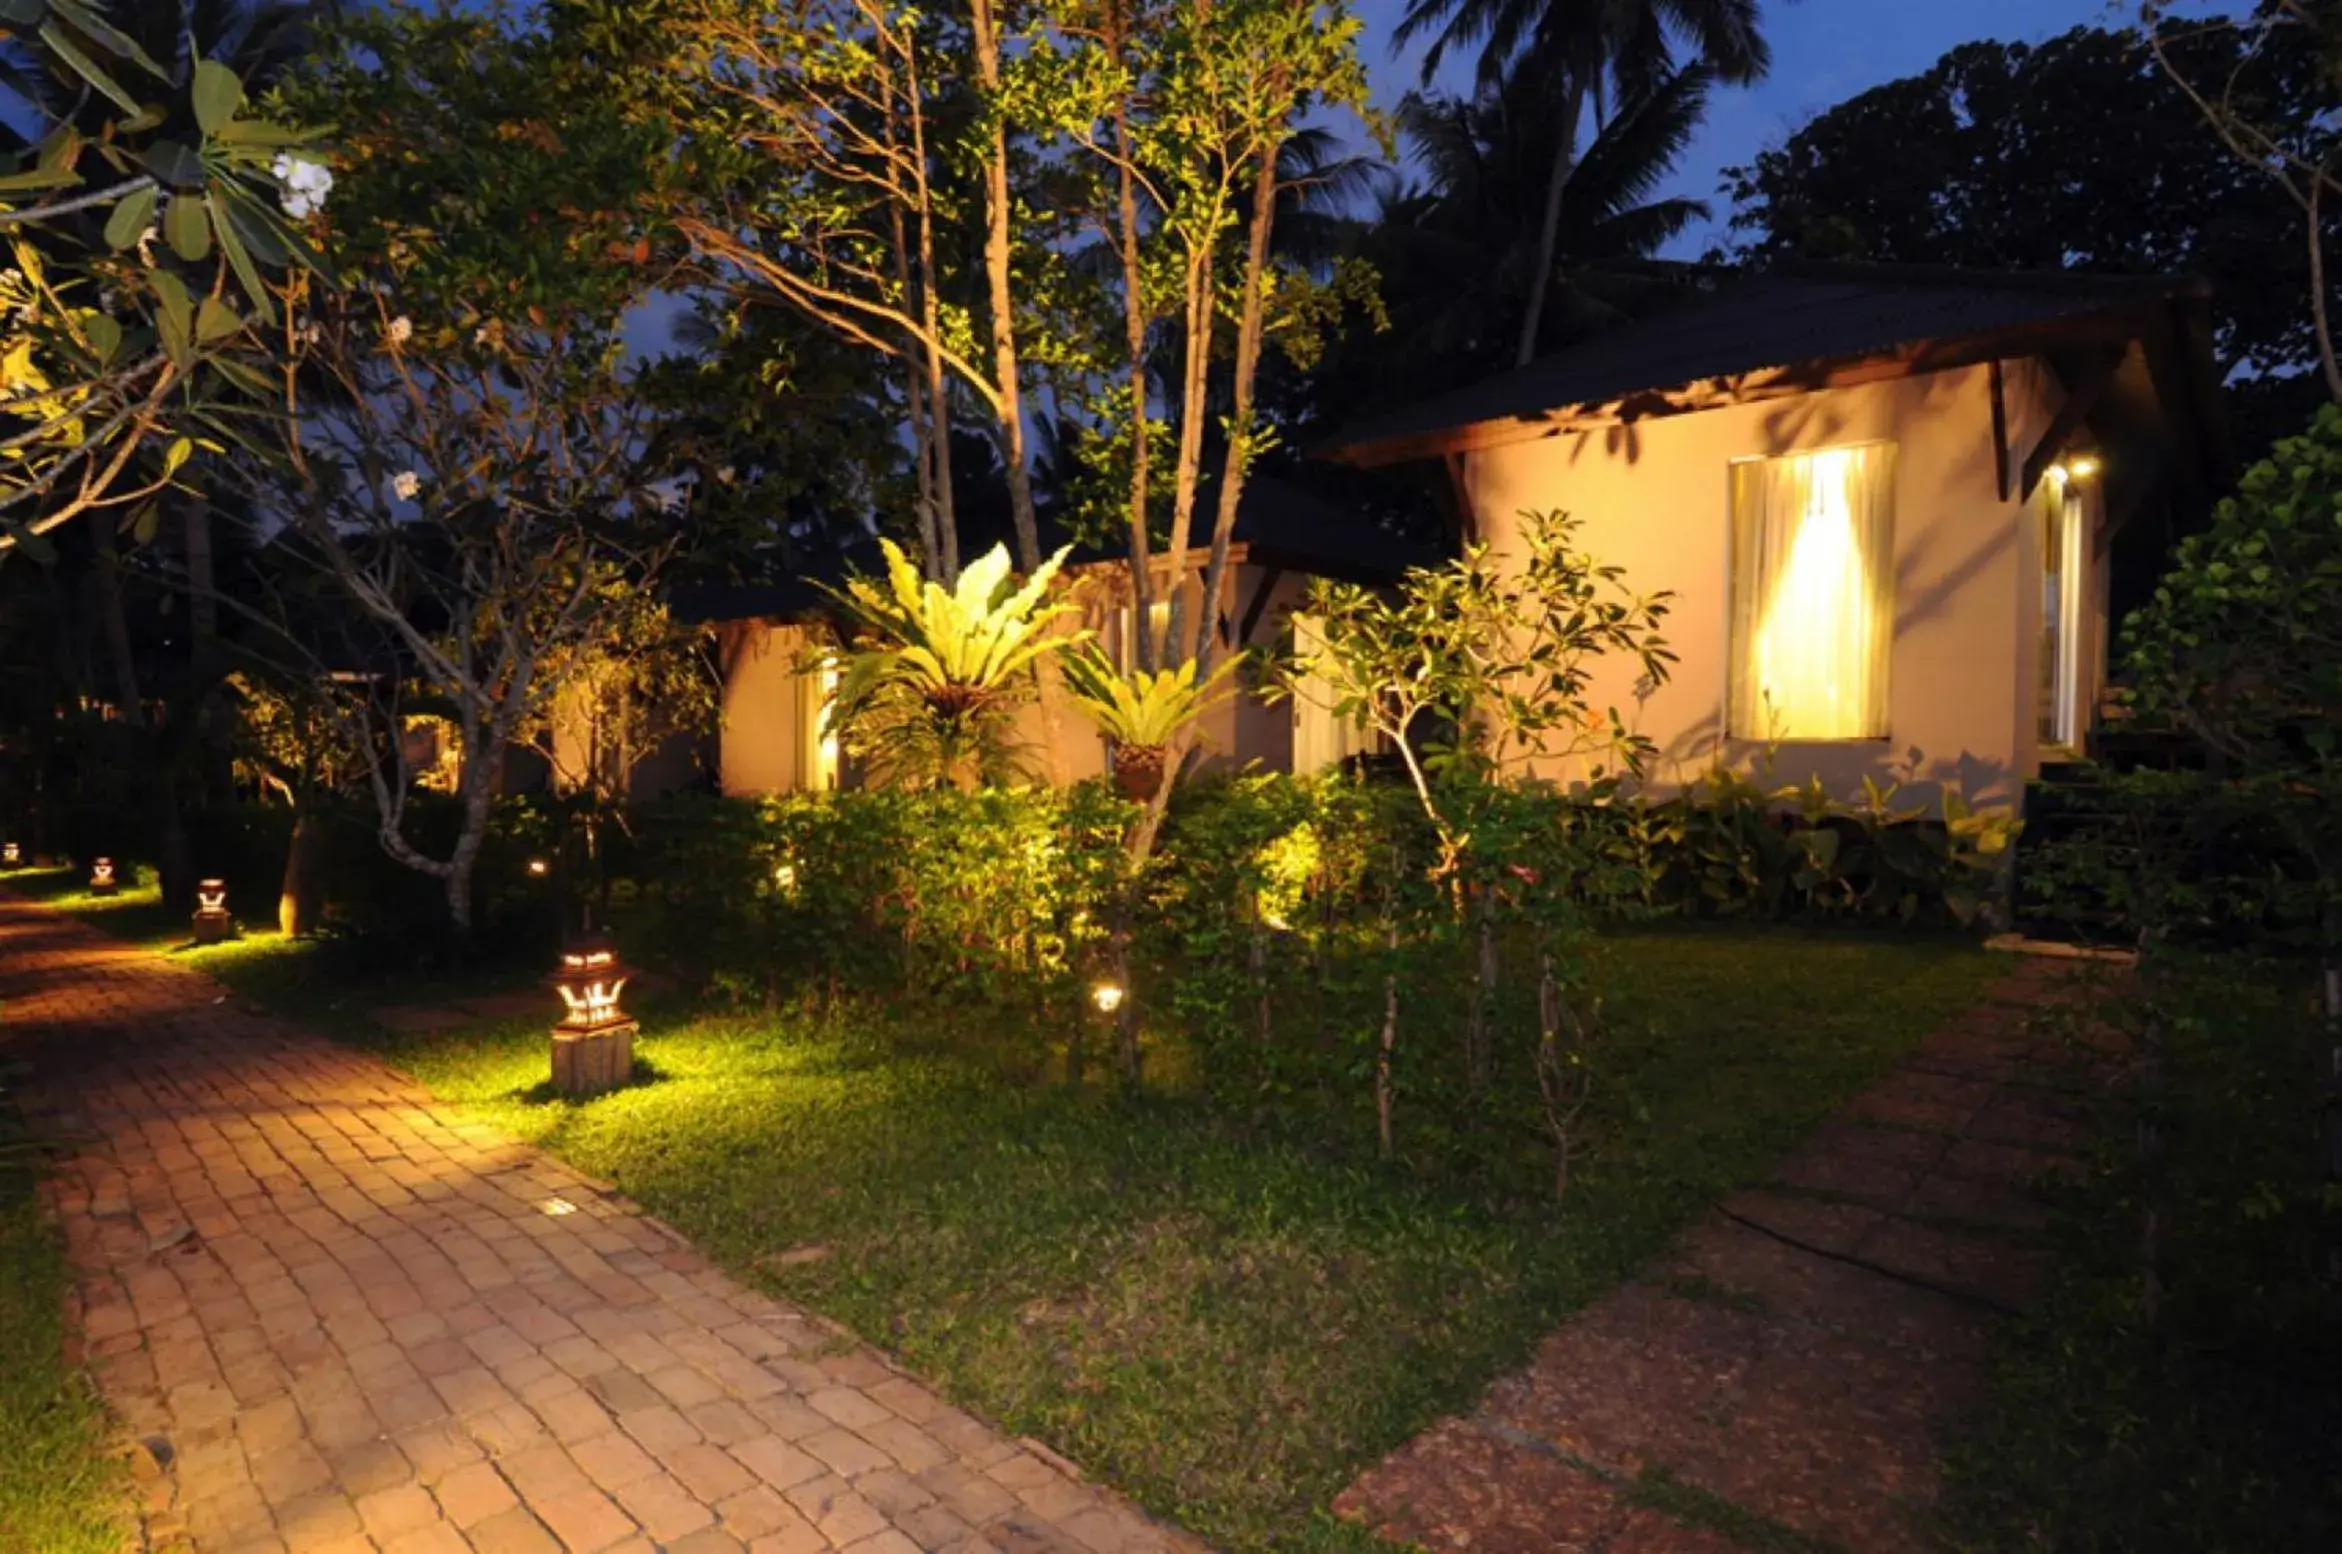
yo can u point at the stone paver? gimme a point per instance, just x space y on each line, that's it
1802 1346
349 1319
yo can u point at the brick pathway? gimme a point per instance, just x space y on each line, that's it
349 1321
1800 1350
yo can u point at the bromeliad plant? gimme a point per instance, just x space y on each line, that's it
931 700
1143 711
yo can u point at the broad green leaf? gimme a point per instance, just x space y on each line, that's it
247 272
175 163
218 94
105 336
187 223
27 14
37 546
130 219
174 315
38 178
62 149
87 68
243 376
215 321
88 21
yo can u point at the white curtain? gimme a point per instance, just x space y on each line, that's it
1813 594
1321 739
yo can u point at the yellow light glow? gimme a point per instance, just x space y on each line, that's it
101 874
1801 662
1107 996
211 898
826 757
785 876
539 868
2082 468
11 855
557 1207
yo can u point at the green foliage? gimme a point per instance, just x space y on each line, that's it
153 183
1979 162
2242 642
1475 666
2206 1424
1227 1320
1145 709
61 1492
929 701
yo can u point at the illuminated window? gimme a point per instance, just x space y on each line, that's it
1321 739
1126 642
817 743
2062 562
1813 594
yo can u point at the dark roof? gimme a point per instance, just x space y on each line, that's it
1781 318
1282 524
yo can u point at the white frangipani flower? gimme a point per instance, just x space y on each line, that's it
402 329
306 184
146 246
405 484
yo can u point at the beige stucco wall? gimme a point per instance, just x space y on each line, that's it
1654 497
759 730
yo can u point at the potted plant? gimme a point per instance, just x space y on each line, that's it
1142 711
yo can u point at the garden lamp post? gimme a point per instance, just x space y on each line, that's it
101 878
212 923
593 1045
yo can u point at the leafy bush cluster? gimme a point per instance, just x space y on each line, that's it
1288 942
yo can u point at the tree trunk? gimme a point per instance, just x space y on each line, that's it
997 213
298 906
1134 336
1549 222
1249 324
1476 1040
1126 1014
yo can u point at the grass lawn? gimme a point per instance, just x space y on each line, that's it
1226 1322
59 1492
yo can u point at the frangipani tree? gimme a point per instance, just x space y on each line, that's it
150 216
1484 663
932 698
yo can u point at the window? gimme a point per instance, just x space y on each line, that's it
2062 564
1321 739
1125 639
817 739
1813 594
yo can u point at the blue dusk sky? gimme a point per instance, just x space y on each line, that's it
1824 51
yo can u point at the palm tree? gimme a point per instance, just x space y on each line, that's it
1456 251
1606 50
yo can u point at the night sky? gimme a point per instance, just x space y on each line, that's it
1824 51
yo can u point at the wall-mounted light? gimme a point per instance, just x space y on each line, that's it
539 868
1107 996
101 878
2081 467
212 923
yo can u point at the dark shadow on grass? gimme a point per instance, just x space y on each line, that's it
542 1093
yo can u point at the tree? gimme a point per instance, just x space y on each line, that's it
147 239
472 470
1983 162
1455 252
1597 50
2282 40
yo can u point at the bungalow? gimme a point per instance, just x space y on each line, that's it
777 689
1896 507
